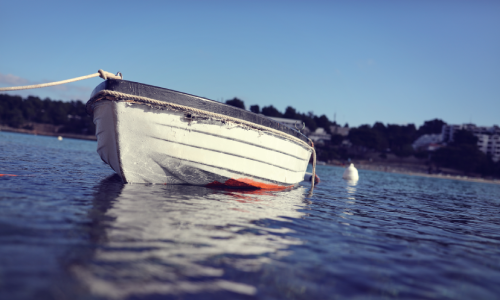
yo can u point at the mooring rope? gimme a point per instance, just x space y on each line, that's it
103 74
314 166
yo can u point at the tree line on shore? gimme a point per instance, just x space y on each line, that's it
462 154
310 120
71 116
379 137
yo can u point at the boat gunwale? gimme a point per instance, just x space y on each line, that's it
188 100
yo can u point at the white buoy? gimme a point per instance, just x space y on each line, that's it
351 173
59 138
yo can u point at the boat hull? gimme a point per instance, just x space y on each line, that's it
145 144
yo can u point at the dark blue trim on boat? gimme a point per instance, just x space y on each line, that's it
171 96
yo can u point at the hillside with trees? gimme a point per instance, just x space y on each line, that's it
66 117
392 139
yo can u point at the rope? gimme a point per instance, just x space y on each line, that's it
103 74
314 166
122 96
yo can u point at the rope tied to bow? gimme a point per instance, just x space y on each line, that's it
103 74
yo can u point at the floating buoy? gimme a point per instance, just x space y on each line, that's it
351 173
59 138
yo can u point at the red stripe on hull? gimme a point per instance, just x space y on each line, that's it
247 183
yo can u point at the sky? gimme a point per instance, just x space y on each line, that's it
395 62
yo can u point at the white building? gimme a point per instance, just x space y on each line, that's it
344 131
488 138
320 136
448 132
482 142
490 144
428 142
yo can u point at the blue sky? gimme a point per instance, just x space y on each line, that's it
395 62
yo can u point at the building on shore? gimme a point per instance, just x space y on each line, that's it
490 144
343 131
488 138
319 136
428 142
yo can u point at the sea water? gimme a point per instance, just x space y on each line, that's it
69 229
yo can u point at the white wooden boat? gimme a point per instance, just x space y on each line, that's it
149 134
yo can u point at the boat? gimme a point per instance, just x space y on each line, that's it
149 134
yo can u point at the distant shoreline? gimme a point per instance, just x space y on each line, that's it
462 178
387 168
45 133
399 170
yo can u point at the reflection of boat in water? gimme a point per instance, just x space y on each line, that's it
153 135
182 239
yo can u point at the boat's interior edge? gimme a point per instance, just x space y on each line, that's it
176 97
